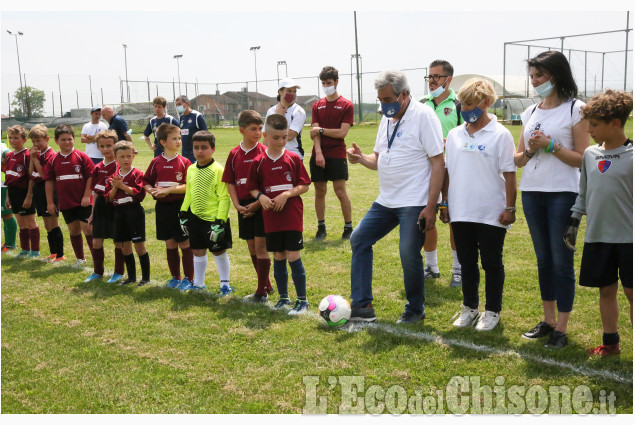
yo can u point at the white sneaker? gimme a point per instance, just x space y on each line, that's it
467 317
488 321
79 263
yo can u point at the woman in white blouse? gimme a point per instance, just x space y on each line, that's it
295 115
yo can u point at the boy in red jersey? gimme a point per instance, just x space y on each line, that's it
277 178
69 173
125 192
17 180
101 217
41 154
251 227
165 181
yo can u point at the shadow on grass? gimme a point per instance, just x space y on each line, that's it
37 269
317 246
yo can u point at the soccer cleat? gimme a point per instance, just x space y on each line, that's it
557 340
300 307
466 317
409 318
173 283
58 259
93 276
429 274
283 303
226 290
79 263
321 233
143 283
456 280
198 288
6 248
257 298
34 254
127 282
605 350
363 314
51 258
346 234
185 285
23 254
542 329
270 290
488 321
116 277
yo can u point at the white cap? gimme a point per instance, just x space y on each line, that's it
288 82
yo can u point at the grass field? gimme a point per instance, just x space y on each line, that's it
74 347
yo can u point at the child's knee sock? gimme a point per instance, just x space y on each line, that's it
299 278
78 246
10 231
431 260
254 261
187 258
56 242
119 261
25 242
174 262
144 261
89 241
98 261
222 264
200 265
281 275
34 238
130 266
263 268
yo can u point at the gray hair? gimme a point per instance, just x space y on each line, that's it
396 79
182 98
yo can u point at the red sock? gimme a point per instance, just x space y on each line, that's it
174 262
78 246
34 237
254 261
264 266
119 261
187 256
25 242
89 241
98 261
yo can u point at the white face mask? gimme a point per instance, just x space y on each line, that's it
328 90
544 89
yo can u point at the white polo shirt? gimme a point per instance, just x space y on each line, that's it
296 117
404 171
475 166
91 129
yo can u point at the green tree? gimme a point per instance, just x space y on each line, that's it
28 102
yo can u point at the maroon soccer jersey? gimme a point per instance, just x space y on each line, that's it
101 174
134 180
44 158
272 177
70 173
237 168
164 172
332 115
17 171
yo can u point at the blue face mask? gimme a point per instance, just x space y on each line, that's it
544 89
390 109
180 109
439 90
473 115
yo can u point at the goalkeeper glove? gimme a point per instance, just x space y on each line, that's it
217 231
571 233
183 222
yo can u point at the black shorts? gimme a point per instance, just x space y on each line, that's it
200 230
129 223
334 169
288 240
167 221
77 213
39 199
17 195
102 218
603 262
250 227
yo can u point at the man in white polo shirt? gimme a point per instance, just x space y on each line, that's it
408 155
89 131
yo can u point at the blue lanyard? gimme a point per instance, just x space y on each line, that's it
392 138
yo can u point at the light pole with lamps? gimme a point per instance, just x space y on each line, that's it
255 49
16 34
125 58
178 70
286 74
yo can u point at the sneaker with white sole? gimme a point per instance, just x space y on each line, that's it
488 321
257 298
466 317
456 280
79 263
283 303
300 307
226 290
429 274
173 283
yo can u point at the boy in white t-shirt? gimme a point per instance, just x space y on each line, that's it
89 131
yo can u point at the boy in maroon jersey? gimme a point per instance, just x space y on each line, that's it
69 173
251 227
101 217
277 178
17 180
125 191
165 181
41 154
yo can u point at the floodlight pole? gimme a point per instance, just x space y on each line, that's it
178 70
125 57
17 50
626 50
255 49
359 83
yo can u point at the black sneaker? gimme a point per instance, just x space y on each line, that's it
346 234
408 318
363 314
429 274
542 329
321 233
127 282
557 340
143 282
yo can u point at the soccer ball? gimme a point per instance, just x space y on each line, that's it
335 309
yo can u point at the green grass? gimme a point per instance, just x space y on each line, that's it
74 347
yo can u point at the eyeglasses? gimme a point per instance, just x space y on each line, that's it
435 77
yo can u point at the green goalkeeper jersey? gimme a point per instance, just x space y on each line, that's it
205 194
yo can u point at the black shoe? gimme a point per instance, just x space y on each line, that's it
143 282
127 282
408 318
346 234
542 329
557 340
321 233
429 274
363 314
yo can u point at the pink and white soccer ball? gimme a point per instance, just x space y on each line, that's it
335 309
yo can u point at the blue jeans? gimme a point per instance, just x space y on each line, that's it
376 224
547 215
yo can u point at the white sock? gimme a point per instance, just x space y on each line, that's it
200 265
431 260
456 266
222 264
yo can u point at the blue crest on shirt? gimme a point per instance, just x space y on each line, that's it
399 134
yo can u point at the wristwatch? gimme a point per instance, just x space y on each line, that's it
321 131
510 209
